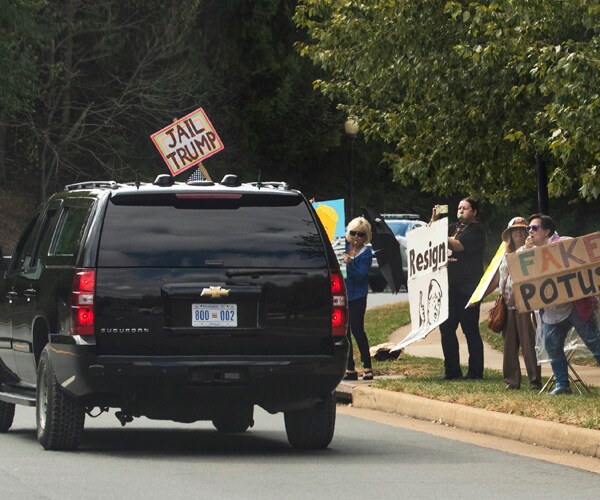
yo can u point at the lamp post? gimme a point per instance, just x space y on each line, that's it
351 129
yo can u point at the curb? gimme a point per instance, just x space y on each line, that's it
527 430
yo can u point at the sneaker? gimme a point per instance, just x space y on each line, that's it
561 390
511 387
368 374
350 375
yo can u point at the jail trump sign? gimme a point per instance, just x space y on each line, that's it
187 141
556 273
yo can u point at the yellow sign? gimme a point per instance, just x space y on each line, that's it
487 277
187 141
329 218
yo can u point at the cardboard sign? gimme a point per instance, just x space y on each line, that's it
187 141
427 254
556 273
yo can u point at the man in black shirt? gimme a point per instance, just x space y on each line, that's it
466 240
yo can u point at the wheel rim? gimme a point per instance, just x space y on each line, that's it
43 399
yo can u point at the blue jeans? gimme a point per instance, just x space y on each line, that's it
554 341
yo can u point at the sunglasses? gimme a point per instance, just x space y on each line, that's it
360 234
533 227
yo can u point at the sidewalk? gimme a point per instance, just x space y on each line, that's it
431 346
528 430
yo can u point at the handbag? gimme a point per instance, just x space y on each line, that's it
497 315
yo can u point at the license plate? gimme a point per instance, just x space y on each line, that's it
214 315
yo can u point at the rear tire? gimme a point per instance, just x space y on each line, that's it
7 414
59 417
234 422
312 428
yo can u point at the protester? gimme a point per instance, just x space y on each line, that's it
556 321
466 242
518 330
358 258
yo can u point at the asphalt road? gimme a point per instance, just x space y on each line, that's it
383 298
367 459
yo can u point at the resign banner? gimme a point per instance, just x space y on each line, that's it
556 273
427 254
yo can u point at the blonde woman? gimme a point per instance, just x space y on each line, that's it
358 258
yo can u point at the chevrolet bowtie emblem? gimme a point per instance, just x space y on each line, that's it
215 291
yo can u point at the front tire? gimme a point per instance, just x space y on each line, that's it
59 417
7 414
312 428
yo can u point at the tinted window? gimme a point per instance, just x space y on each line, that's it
244 231
24 248
69 231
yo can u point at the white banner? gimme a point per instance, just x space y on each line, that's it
427 254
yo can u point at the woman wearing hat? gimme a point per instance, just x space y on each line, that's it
518 330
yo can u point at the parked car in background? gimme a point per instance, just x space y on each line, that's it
401 225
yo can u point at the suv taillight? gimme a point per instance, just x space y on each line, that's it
339 312
82 302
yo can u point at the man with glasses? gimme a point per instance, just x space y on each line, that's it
556 321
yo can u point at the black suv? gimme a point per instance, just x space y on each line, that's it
173 301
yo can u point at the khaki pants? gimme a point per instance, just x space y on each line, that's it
519 332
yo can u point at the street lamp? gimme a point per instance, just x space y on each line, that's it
351 129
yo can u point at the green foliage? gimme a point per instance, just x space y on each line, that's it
468 93
18 34
100 77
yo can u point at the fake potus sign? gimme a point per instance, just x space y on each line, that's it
187 141
427 253
556 273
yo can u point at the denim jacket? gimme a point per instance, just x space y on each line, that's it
357 271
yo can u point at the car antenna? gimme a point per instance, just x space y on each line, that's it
137 182
258 184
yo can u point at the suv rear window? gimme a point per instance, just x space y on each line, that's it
210 230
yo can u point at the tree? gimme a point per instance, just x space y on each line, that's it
470 94
110 73
18 82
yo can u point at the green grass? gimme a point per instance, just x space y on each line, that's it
422 377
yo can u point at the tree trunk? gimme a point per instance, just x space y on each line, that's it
542 184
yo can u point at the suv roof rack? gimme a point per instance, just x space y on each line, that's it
272 184
91 185
401 216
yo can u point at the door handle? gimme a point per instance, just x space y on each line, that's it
12 295
30 293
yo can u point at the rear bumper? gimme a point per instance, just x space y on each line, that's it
277 383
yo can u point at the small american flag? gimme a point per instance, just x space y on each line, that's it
197 175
